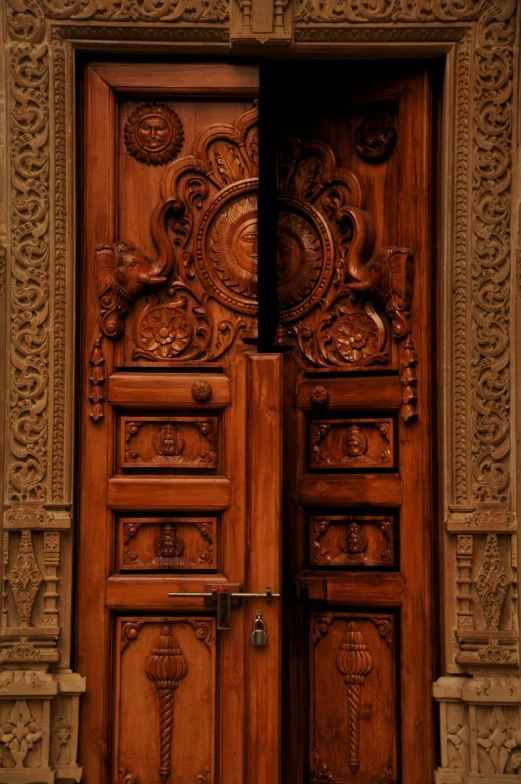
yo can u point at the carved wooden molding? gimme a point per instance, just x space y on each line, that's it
476 271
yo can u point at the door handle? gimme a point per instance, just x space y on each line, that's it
223 599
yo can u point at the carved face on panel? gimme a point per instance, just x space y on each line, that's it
168 442
154 134
354 443
169 544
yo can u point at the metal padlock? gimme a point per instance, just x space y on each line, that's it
259 635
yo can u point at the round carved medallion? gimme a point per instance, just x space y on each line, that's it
304 258
227 246
375 138
154 134
234 246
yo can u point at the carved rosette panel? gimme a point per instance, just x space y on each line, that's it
359 650
352 540
340 302
169 442
351 444
167 543
165 667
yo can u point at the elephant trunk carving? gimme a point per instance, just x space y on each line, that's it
386 275
123 270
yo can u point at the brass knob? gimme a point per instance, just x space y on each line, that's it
202 391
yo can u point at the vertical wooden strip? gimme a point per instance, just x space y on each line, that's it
263 666
416 515
230 643
95 529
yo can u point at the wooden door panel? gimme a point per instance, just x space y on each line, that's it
354 292
353 685
164 681
167 543
174 396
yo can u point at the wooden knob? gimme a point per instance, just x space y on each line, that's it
202 391
319 396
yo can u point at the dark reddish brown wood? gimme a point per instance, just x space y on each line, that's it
357 349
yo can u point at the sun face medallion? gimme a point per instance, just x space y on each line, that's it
154 134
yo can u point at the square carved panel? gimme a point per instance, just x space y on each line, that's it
353 707
352 444
352 540
168 442
173 543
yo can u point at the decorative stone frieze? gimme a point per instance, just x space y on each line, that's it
480 698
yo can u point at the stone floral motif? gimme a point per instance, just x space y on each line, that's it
20 733
499 739
492 582
25 579
165 332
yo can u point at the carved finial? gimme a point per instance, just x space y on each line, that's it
166 667
354 663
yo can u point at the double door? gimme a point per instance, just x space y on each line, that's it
254 557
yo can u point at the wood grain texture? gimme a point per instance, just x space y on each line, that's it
158 390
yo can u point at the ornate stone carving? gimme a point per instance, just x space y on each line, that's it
354 662
25 579
492 582
154 134
166 667
20 733
375 138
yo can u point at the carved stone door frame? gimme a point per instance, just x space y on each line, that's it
480 715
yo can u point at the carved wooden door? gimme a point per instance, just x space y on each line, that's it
183 473
180 443
355 253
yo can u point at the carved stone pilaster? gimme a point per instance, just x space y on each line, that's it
480 727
